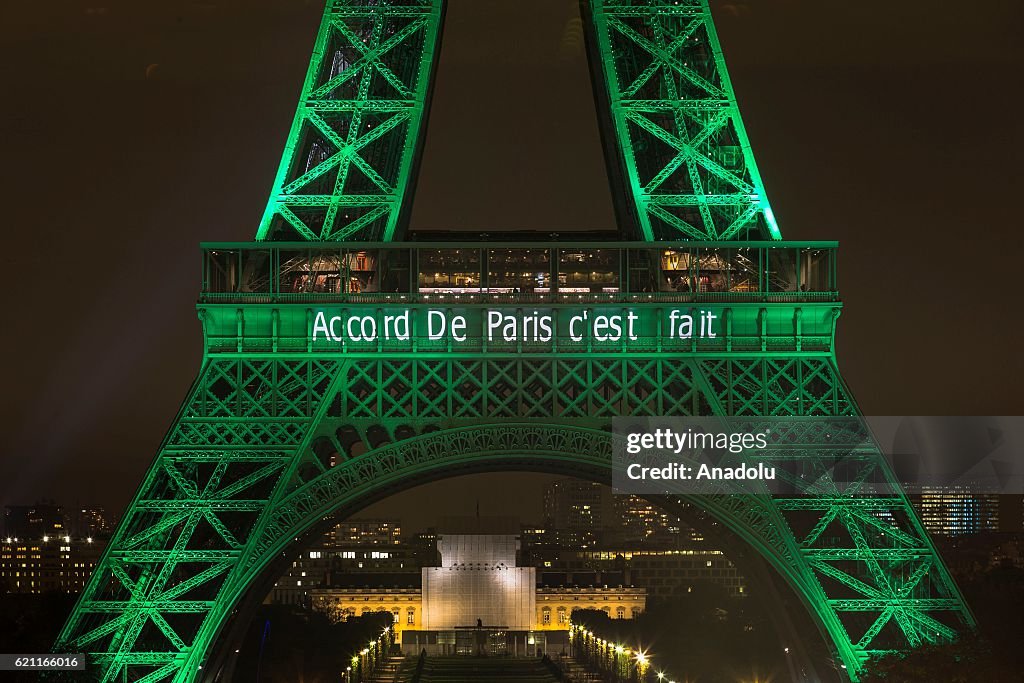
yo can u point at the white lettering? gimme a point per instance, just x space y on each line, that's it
402 326
633 317
493 321
436 324
680 325
458 325
546 333
349 327
573 321
368 328
320 325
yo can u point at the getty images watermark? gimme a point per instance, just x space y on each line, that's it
840 456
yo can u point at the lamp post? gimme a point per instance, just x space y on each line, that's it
619 662
642 664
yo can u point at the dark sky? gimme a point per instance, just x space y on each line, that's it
894 127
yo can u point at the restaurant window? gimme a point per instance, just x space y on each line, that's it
360 271
583 270
451 271
514 271
309 271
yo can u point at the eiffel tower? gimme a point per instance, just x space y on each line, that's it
346 361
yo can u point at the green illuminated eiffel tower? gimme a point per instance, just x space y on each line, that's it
327 382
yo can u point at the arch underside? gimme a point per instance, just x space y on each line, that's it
266 448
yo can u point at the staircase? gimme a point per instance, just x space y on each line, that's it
484 669
394 670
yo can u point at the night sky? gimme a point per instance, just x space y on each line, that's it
131 131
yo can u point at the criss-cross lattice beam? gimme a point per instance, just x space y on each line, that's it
349 161
229 490
685 160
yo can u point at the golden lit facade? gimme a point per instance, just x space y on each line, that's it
554 605
477 581
339 604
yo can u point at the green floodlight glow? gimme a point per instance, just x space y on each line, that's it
687 168
686 161
254 459
347 169
773 227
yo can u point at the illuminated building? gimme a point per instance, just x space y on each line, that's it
477 580
325 566
555 603
575 512
364 532
360 545
47 563
957 511
645 525
341 602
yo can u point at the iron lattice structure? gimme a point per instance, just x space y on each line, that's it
348 165
281 429
681 147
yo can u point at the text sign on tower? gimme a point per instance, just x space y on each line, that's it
513 325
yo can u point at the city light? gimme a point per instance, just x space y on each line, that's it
641 657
